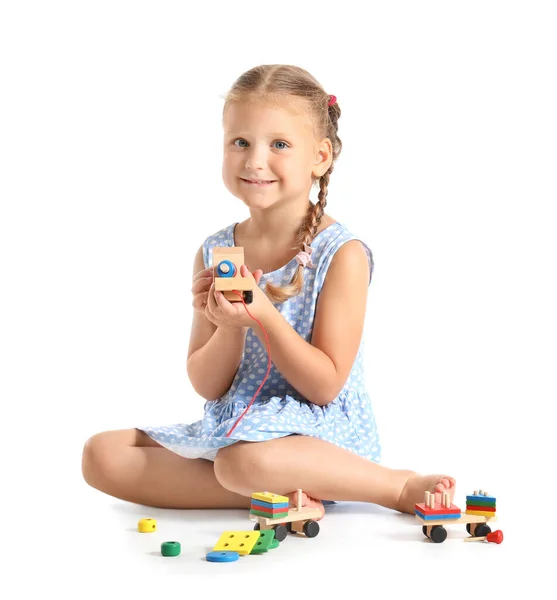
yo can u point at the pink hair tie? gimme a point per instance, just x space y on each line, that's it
304 257
332 100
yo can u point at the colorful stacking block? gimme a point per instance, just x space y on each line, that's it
275 507
271 506
258 513
263 544
481 504
269 497
241 542
439 512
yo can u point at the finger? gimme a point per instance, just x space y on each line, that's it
203 273
200 301
211 300
257 275
201 285
221 302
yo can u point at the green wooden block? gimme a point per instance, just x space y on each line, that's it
262 514
266 538
274 544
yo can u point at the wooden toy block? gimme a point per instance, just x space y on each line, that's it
480 503
484 513
480 498
226 274
264 542
269 516
270 498
270 511
482 508
268 505
147 526
237 541
438 516
438 510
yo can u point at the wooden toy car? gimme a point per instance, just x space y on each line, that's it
434 516
226 274
282 519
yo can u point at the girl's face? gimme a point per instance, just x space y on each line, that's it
270 143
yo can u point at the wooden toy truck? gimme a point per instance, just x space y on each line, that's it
476 524
226 274
296 520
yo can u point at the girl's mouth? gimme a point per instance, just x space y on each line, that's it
259 182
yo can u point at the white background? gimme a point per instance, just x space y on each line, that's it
110 179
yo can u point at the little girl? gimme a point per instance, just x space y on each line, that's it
311 425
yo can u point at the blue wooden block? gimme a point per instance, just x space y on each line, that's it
473 499
437 517
268 505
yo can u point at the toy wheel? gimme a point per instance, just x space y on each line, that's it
257 527
482 529
248 297
288 526
280 532
438 534
311 528
424 530
468 528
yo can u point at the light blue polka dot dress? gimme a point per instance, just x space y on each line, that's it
279 410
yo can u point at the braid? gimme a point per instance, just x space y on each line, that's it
314 215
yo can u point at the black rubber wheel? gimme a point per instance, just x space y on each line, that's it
482 529
288 526
311 528
248 297
468 528
424 529
438 534
280 532
257 527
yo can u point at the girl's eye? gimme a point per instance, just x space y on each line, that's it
277 142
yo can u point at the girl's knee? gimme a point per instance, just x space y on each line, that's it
238 467
99 458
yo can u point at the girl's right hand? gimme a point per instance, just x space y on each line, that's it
202 281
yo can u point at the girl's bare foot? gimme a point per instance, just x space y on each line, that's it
307 502
416 486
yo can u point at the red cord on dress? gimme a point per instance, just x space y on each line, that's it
268 363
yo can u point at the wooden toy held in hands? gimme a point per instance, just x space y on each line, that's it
226 274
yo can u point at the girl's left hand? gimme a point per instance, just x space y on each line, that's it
233 315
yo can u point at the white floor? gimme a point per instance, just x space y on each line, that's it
88 546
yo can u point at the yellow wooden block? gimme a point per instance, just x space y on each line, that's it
269 497
241 542
483 513
147 525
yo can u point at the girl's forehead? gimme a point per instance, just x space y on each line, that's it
272 118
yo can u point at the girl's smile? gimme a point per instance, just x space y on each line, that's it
258 183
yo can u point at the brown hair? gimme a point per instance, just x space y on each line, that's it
268 82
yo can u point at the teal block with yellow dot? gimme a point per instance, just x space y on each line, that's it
263 544
241 542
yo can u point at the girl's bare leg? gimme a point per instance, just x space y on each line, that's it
324 472
129 465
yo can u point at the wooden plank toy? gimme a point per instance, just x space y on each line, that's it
226 274
495 536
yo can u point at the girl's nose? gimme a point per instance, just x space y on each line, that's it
256 158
